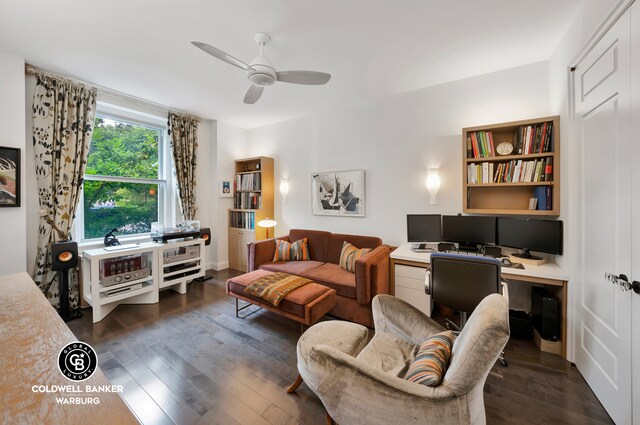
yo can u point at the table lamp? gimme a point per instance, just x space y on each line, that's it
267 223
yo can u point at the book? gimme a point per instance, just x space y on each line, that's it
540 194
485 172
469 148
548 169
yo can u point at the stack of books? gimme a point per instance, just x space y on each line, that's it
514 171
537 138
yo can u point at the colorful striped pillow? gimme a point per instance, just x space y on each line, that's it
350 254
430 364
297 251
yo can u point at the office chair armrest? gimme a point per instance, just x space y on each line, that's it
395 316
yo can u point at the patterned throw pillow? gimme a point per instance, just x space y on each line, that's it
430 364
297 251
350 254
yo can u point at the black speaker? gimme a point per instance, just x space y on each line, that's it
205 233
64 255
545 314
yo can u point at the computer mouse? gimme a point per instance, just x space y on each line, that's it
506 262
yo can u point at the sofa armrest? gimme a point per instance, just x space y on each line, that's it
260 252
372 274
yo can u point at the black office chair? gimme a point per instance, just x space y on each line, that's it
460 282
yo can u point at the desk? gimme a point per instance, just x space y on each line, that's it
31 336
549 274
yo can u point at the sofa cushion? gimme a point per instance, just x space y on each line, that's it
334 277
350 254
291 267
317 242
432 360
337 240
296 251
294 302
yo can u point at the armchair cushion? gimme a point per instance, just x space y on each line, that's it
430 364
389 353
350 254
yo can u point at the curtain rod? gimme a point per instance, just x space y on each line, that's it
33 70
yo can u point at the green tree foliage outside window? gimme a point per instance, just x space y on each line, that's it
122 150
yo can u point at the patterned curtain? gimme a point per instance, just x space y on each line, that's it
183 133
63 115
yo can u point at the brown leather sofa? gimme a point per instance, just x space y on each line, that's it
354 290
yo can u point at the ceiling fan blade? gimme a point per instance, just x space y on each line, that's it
253 94
221 55
312 78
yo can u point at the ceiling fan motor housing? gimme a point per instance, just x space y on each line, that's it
261 71
261 75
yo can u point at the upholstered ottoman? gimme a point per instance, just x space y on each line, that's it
305 305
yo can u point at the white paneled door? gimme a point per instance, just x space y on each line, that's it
635 206
603 306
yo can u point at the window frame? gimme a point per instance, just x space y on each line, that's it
167 193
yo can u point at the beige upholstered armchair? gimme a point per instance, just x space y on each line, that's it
362 383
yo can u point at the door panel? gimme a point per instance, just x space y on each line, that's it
602 124
635 207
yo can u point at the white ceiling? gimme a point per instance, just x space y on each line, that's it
373 48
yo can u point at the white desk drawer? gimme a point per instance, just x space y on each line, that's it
405 282
416 298
410 272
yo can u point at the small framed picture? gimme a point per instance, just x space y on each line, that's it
9 177
226 189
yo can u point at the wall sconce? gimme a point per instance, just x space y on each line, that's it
284 188
433 184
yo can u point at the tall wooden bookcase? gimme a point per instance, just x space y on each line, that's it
510 198
252 202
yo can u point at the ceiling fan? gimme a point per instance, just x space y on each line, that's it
261 71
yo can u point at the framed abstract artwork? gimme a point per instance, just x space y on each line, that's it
338 193
9 177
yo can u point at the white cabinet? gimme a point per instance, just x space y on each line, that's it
136 275
180 262
409 287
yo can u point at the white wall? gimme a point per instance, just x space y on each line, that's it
206 196
231 145
394 140
13 223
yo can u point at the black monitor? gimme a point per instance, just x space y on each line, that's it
469 231
424 227
530 235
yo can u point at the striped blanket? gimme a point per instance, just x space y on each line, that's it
275 286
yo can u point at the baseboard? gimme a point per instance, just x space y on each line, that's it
221 265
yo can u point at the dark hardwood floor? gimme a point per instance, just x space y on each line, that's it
188 360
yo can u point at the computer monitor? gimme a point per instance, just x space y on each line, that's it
424 228
468 231
530 235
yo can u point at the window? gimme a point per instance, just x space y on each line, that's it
125 183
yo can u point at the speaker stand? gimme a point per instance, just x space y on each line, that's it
64 311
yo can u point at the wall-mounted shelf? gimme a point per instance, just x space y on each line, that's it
502 184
